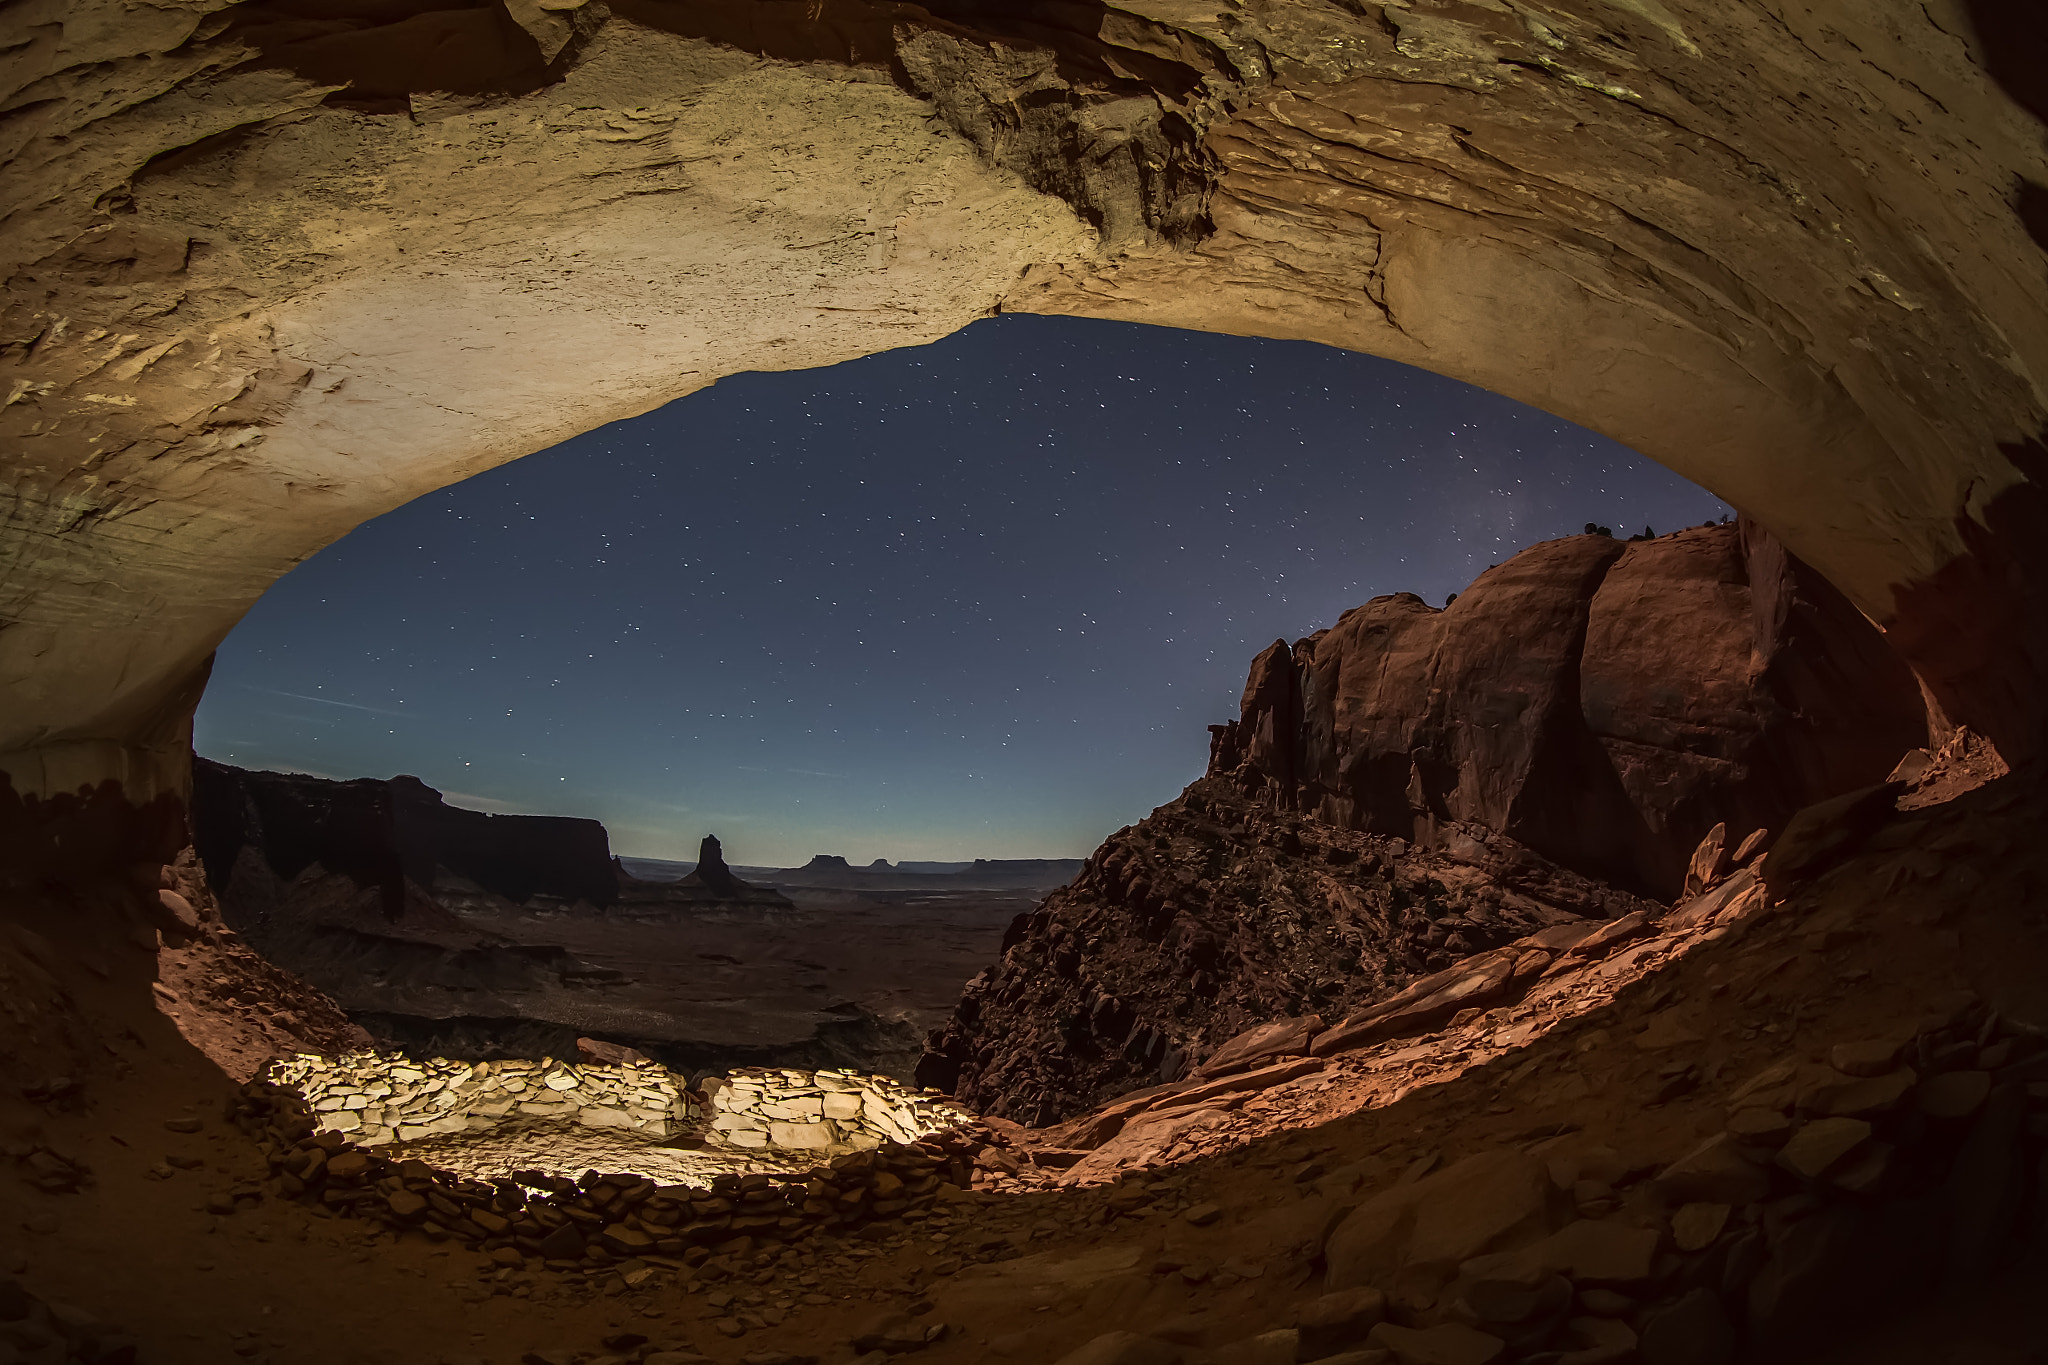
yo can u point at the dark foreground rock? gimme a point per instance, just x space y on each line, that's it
1217 913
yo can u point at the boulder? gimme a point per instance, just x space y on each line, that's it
1451 1343
1859 1098
1759 1128
1695 1226
1954 1095
173 914
1124 1348
1818 1147
1334 1321
596 1052
1715 1172
1256 1047
1871 1058
1595 1252
1280 1347
1420 1233
1693 1331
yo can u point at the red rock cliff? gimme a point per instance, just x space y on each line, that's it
1603 702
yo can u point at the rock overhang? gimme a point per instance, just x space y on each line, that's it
248 311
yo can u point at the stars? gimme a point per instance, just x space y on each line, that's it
1042 552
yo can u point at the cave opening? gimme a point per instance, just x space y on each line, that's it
1789 251
938 596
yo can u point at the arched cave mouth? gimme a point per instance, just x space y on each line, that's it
1795 379
899 539
972 600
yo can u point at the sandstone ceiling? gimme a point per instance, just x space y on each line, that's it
274 268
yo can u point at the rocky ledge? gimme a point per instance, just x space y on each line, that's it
1217 913
1416 786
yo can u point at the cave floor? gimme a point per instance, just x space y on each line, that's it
1940 901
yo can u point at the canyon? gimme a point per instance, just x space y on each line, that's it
271 270
453 933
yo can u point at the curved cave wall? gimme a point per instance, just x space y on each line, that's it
265 280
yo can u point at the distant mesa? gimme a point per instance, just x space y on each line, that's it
390 834
711 883
831 871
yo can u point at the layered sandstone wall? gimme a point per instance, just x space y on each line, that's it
1605 703
266 278
384 834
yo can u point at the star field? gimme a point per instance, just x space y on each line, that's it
978 598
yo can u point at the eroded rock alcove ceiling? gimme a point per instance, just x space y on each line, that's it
276 268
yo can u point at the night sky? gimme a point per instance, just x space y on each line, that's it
978 598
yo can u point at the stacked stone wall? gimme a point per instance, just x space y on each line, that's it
376 1098
772 1108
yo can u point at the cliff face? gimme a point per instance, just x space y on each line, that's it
1604 702
384 834
1415 786
1216 913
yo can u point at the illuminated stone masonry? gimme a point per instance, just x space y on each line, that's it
822 1111
375 1099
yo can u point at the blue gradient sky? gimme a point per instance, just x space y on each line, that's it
978 598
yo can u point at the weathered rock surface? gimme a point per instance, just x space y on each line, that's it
1397 797
1777 251
1217 914
1605 703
